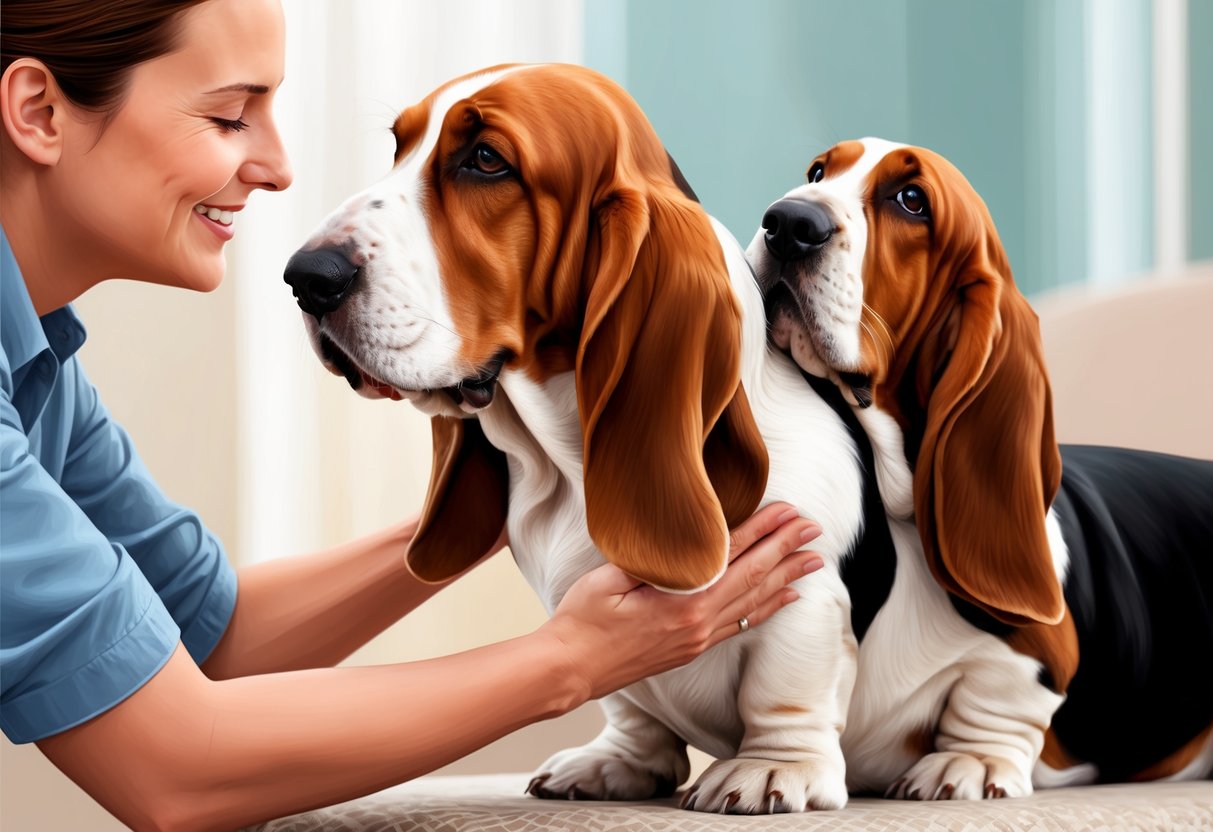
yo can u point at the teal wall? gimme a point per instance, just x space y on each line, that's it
745 94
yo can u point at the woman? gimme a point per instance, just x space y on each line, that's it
133 133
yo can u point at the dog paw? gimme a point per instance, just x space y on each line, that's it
954 775
759 787
589 773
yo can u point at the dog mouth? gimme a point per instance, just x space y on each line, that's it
793 322
808 351
475 391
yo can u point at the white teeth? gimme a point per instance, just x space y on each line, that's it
221 217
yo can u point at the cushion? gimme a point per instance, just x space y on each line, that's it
497 802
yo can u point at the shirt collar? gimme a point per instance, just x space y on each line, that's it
23 335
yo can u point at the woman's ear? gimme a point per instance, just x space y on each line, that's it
33 109
672 454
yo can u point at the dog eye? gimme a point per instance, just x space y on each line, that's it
817 172
914 201
486 160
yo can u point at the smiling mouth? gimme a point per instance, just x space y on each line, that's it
477 390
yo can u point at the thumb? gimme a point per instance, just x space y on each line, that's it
609 579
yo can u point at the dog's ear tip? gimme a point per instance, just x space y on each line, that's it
422 567
1028 617
701 559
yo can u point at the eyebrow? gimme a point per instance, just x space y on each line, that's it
255 89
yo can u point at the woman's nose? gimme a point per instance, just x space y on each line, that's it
269 167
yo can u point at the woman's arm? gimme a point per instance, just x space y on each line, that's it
187 752
314 610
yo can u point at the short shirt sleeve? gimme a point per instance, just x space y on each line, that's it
182 559
100 575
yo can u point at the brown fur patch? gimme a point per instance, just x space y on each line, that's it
1177 761
839 159
409 127
920 742
1053 645
1054 756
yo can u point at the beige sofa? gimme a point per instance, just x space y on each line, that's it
1132 366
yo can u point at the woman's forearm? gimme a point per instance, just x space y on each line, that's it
368 728
194 753
314 610
187 752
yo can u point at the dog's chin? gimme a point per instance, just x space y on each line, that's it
468 396
812 351
791 332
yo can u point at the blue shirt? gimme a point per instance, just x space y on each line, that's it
100 574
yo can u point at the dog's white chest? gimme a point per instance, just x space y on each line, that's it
812 466
547 525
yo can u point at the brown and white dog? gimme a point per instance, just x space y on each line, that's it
1026 583
535 274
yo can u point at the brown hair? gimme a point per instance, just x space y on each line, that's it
90 47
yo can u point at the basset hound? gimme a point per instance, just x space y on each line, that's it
1051 616
536 275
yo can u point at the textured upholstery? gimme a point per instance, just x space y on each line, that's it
495 803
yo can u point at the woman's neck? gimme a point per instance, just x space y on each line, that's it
57 265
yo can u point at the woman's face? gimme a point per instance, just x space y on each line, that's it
159 193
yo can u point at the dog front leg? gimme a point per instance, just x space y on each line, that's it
990 734
635 757
793 699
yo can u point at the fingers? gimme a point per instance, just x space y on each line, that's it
749 570
754 585
764 521
789 569
764 611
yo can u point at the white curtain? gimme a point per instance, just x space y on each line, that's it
318 463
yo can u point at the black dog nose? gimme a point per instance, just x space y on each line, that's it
796 227
320 279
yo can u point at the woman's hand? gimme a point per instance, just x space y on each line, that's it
617 630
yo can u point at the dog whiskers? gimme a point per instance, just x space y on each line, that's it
422 317
885 330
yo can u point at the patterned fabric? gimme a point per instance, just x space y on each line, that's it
496 803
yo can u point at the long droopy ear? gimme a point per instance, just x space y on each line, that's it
673 457
989 465
467 502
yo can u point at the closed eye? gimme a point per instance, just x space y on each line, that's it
230 125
